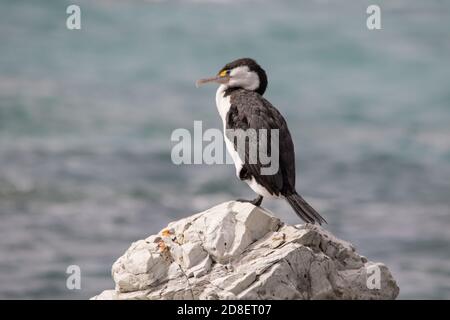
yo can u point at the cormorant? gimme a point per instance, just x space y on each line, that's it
241 105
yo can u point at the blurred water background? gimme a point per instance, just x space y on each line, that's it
86 118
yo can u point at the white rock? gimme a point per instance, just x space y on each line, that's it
193 253
238 251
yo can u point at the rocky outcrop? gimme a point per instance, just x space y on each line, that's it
238 251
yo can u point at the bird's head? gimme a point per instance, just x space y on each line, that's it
242 73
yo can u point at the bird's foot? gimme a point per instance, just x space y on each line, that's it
256 202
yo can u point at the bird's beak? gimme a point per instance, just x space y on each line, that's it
217 79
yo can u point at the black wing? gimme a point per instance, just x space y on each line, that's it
249 110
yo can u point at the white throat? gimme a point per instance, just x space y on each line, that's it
222 102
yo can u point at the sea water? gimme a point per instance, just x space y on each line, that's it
86 118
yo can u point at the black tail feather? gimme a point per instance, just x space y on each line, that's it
304 210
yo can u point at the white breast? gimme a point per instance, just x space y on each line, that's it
223 106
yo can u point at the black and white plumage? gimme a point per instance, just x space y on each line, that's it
241 106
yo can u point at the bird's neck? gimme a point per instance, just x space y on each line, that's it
225 90
220 93
222 101
221 90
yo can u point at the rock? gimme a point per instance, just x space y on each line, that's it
238 251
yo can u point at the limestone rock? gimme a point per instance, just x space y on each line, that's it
238 251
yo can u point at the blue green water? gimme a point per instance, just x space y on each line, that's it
86 118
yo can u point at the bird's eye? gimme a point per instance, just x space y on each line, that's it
224 73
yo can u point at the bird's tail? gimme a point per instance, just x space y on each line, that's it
304 210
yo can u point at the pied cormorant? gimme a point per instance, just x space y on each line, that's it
241 105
